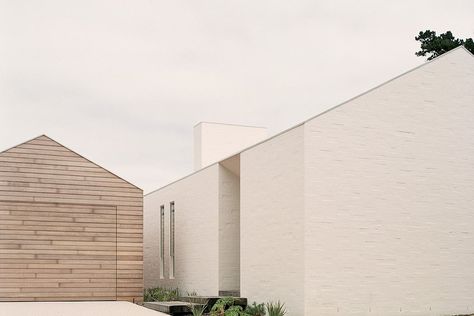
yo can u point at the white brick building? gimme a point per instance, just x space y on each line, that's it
365 209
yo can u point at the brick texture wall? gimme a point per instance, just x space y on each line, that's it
389 200
272 262
229 230
196 225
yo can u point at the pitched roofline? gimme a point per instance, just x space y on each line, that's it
182 178
29 140
389 81
321 113
230 124
467 50
43 135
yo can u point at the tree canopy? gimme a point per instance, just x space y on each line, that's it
434 45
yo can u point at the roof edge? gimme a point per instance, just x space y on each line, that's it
229 124
27 141
321 113
460 47
184 177
44 135
467 50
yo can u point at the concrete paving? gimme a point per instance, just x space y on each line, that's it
75 309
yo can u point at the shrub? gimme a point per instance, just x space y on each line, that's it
225 307
235 310
159 294
221 305
276 309
256 309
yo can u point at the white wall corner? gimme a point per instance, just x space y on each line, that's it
216 141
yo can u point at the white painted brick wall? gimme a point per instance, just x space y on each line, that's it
197 224
389 195
229 230
272 262
215 141
365 210
207 232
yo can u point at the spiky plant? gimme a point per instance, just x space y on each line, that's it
197 309
192 293
276 309
256 309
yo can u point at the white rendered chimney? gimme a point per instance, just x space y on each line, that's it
216 141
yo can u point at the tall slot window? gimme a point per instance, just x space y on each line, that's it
172 243
162 241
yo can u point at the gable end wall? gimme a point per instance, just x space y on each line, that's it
43 171
389 181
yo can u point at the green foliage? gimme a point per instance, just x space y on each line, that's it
225 307
469 44
220 306
160 294
235 310
276 309
198 309
256 309
435 45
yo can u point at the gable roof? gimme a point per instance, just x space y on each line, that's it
459 49
46 139
434 60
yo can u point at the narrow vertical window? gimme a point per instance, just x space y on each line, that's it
172 243
162 241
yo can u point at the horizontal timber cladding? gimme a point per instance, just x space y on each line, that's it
69 229
52 261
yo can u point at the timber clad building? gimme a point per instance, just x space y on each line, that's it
69 229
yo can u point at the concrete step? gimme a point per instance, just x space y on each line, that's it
172 307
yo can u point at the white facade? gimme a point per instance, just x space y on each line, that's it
389 197
207 229
272 214
196 233
215 141
229 230
366 209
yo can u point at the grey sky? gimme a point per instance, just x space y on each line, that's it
123 82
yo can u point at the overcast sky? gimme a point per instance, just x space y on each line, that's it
123 82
